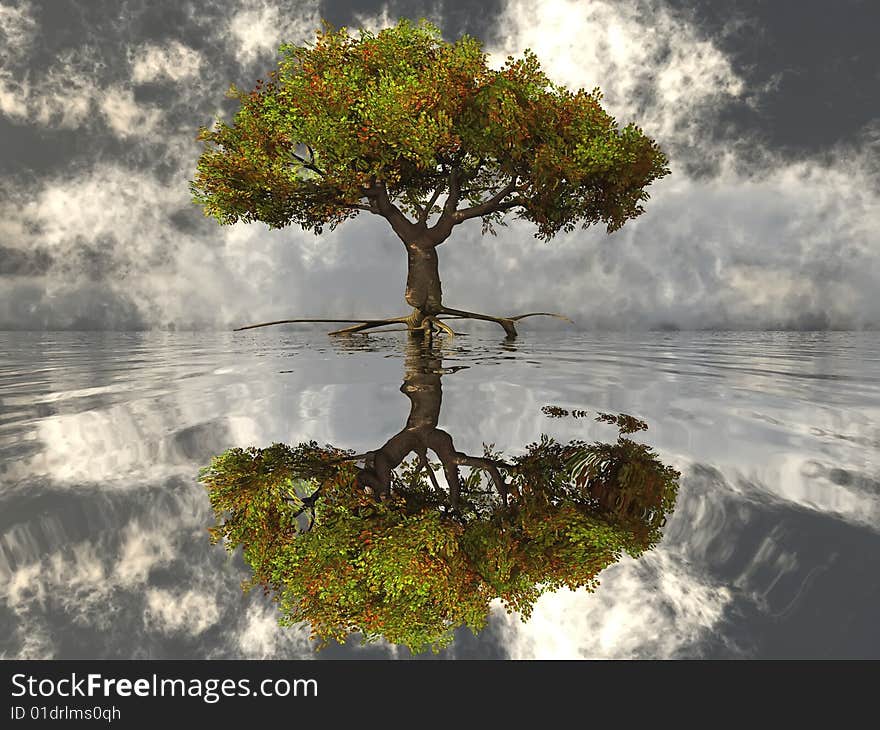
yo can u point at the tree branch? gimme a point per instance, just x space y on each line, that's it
441 444
488 465
443 227
370 192
309 164
425 465
454 191
308 503
423 218
402 226
487 206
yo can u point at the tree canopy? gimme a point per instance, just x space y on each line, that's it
389 122
404 563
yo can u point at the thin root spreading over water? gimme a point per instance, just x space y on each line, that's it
415 322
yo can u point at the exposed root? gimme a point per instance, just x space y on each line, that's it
429 322
542 314
370 324
376 322
416 323
505 322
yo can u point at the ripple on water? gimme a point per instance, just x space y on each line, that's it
777 435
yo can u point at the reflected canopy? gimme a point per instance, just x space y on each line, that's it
396 545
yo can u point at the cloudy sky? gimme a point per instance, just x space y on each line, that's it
769 113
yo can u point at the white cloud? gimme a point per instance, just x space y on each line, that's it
377 22
191 612
18 28
111 225
143 549
772 247
62 98
263 638
260 26
13 94
98 591
70 95
652 608
175 62
653 67
36 643
125 116
78 571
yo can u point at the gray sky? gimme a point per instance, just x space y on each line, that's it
768 111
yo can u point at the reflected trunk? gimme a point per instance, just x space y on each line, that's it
422 386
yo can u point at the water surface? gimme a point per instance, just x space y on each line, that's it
773 549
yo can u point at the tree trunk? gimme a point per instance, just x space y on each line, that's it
423 291
422 385
423 388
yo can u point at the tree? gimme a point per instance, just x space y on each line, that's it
389 124
372 543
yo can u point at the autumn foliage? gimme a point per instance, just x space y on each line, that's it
407 567
406 110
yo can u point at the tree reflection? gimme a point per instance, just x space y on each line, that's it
393 545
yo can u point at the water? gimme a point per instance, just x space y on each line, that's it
772 551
